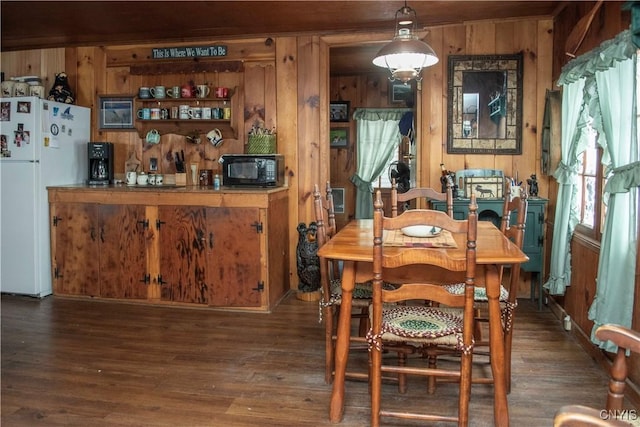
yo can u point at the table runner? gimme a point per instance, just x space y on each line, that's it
397 238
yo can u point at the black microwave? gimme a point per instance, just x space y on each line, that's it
253 170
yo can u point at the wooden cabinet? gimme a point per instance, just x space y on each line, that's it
208 255
228 126
187 246
99 250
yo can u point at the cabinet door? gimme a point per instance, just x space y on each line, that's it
235 278
77 259
122 252
211 255
184 258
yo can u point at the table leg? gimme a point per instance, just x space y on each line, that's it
336 408
496 345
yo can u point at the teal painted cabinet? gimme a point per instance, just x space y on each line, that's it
533 246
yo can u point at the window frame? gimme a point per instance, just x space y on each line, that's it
594 233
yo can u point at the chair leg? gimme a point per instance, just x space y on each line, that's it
465 389
432 358
508 338
329 318
364 322
375 378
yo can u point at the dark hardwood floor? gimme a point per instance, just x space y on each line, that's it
91 363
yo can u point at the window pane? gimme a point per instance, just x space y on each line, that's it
589 214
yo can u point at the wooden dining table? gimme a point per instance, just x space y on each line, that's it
353 245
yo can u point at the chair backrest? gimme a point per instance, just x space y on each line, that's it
439 259
514 230
326 229
420 192
627 340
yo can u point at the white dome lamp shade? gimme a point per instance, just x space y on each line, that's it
405 56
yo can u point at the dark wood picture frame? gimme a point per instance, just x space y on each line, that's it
339 111
115 112
400 93
339 137
338 200
494 124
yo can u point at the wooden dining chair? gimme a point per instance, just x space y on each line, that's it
416 324
613 414
512 225
420 192
331 287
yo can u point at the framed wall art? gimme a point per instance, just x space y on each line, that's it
484 104
115 112
339 137
338 200
400 93
339 111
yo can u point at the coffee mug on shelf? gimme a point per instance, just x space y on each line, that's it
153 137
152 179
222 92
206 113
184 112
157 91
202 91
195 112
187 91
144 93
159 179
174 92
144 113
155 114
226 113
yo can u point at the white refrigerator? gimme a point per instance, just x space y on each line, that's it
43 143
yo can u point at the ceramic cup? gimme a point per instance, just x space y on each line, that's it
157 92
131 177
8 88
155 114
174 92
21 89
222 92
226 113
144 113
202 91
159 179
36 90
152 179
144 93
153 137
142 179
195 112
215 137
184 112
206 113
187 91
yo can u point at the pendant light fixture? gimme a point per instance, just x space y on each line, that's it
405 56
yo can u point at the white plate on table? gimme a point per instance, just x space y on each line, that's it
421 231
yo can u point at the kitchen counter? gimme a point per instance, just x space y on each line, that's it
167 195
180 245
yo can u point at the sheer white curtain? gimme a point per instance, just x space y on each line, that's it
378 137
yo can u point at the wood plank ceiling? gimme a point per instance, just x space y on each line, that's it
46 24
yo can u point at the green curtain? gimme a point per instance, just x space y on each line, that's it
615 117
573 143
378 137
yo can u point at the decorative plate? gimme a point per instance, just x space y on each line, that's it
421 231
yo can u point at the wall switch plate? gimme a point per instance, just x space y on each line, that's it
153 164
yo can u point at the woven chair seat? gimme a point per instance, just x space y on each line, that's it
419 325
362 292
479 293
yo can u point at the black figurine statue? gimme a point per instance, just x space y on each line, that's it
307 258
533 186
61 90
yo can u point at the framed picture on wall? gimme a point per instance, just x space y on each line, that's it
339 137
115 112
339 111
400 93
338 200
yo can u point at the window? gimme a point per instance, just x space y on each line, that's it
591 181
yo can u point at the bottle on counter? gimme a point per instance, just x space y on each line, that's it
216 182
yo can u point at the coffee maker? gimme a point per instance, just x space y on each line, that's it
100 163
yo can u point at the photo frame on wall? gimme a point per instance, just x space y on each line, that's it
338 200
115 112
339 111
339 137
400 93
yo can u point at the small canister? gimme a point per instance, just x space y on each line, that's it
216 182
206 176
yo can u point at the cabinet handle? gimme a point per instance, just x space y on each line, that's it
92 233
144 222
160 281
102 234
540 240
210 240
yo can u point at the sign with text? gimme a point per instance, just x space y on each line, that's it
188 52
